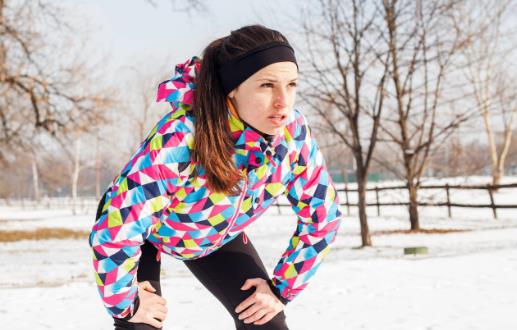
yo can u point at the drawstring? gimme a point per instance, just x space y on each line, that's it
232 108
158 255
244 238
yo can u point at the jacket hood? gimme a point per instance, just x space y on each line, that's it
179 89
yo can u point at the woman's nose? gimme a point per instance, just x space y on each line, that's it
281 98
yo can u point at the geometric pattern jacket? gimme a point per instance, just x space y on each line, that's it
156 198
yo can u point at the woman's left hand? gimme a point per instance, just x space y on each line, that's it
261 306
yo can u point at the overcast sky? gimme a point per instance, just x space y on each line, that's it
133 32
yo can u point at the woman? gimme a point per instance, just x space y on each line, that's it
230 146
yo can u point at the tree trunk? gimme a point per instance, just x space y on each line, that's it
363 219
75 175
413 206
497 174
35 178
97 169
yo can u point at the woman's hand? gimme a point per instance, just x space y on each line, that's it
261 306
152 308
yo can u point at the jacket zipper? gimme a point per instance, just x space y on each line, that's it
232 219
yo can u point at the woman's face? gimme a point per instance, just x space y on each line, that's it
265 100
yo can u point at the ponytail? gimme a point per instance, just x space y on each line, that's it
213 146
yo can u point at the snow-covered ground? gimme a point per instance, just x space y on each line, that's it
468 280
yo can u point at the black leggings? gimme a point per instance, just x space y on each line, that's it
222 272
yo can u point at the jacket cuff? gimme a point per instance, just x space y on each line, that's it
276 292
136 304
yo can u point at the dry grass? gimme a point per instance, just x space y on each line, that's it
41 234
419 231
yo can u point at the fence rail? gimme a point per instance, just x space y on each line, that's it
447 187
84 204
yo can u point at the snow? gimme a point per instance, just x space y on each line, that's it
468 279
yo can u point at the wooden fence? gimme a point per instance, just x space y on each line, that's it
447 203
83 204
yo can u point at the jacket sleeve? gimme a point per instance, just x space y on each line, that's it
135 200
315 201
138 196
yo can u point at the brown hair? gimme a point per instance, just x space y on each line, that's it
213 146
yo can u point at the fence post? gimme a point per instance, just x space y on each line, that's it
377 199
346 200
448 200
492 203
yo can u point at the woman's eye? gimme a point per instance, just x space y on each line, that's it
293 84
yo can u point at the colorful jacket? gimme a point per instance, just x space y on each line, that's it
156 197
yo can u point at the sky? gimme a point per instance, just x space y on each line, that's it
134 33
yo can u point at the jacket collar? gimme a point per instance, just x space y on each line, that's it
246 137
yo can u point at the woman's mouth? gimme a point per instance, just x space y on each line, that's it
277 119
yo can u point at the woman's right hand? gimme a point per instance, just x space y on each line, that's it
152 308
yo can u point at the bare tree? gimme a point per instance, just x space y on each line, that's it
348 67
37 93
422 41
72 139
459 158
490 72
143 102
97 158
138 111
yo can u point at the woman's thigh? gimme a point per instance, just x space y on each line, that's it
223 273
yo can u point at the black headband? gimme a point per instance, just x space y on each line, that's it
233 72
